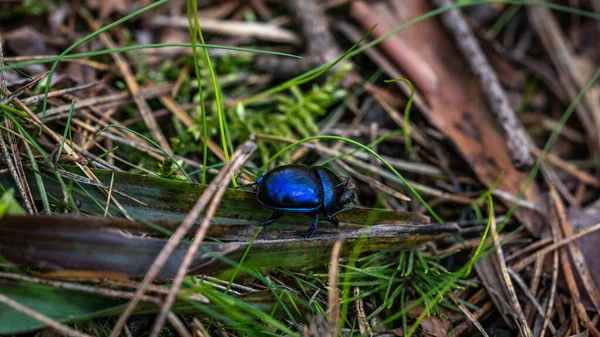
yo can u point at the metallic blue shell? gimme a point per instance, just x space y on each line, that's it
333 188
295 188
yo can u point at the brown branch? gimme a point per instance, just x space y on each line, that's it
516 138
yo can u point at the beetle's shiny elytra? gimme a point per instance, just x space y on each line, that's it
312 190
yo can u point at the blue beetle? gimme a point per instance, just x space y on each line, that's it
312 190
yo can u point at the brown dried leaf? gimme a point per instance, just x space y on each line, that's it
435 326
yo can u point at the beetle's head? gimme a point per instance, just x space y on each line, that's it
348 197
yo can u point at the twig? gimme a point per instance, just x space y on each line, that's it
583 176
184 118
469 315
529 294
540 254
176 238
520 320
516 139
484 309
116 99
576 254
199 329
570 278
555 237
263 31
37 98
220 184
374 183
363 325
333 295
178 325
14 163
63 329
537 244
22 89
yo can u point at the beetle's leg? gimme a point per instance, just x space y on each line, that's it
334 221
276 215
313 227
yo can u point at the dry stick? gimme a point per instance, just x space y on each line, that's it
73 156
529 295
119 98
552 178
132 84
484 309
568 271
555 237
514 301
22 89
573 317
374 183
15 166
368 167
540 254
177 237
419 187
538 244
363 325
179 82
333 295
219 183
262 31
141 146
469 315
178 325
37 98
583 176
576 253
516 139
14 172
199 329
133 138
89 63
63 329
534 285
184 118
